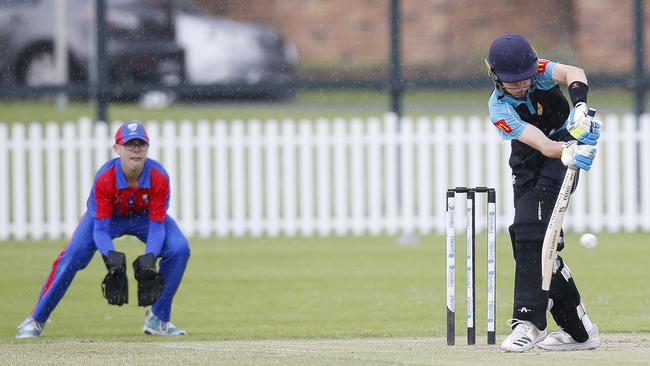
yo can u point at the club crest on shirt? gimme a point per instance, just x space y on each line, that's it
145 198
503 126
540 109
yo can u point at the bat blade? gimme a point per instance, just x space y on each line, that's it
552 235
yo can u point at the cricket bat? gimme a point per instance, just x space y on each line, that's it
552 235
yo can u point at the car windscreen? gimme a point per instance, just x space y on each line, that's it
140 20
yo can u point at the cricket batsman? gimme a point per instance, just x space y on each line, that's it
129 196
528 108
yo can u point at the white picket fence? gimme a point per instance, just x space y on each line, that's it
310 177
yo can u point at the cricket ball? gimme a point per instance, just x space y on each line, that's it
588 241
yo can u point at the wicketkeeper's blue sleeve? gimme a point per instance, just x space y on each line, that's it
155 237
101 236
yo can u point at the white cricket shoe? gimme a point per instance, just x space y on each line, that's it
562 341
29 328
154 326
523 337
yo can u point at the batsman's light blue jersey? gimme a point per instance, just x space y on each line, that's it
546 108
509 115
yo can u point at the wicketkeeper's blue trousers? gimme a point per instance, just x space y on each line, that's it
79 251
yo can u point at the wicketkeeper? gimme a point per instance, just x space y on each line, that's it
528 107
130 196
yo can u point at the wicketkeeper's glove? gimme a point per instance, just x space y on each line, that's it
115 286
150 282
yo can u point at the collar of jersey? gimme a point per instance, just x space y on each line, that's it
120 178
511 99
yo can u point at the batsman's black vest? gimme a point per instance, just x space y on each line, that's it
551 111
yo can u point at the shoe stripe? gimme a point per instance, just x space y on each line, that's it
522 341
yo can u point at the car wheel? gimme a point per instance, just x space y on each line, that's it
38 68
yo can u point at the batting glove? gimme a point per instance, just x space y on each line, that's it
582 127
578 156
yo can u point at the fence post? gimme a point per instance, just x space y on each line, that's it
18 194
357 177
272 182
222 198
53 176
36 209
305 157
4 182
203 159
395 62
255 181
288 177
102 83
324 176
340 167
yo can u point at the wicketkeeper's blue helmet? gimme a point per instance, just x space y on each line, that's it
511 59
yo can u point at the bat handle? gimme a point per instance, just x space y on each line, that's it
591 112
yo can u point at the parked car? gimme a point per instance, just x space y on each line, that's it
224 51
141 41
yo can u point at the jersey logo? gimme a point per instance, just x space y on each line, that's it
541 65
540 109
503 126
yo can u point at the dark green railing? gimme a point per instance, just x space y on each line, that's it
102 90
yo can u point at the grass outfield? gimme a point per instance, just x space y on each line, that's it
315 301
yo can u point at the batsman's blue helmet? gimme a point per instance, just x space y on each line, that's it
512 58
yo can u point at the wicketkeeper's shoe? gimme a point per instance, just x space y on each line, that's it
523 337
29 328
562 341
154 326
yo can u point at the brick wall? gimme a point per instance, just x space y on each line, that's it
604 31
445 37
